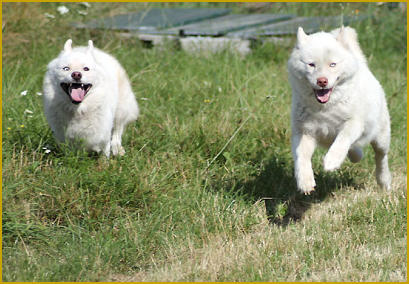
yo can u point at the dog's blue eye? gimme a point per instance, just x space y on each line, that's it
311 64
86 69
332 65
66 68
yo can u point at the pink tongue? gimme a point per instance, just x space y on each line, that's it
323 98
77 94
322 95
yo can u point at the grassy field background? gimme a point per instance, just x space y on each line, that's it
165 211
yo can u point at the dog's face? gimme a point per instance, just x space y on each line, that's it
75 72
323 61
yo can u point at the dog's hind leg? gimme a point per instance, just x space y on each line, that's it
381 148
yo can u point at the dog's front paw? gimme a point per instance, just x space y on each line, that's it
307 191
384 179
306 184
333 162
118 150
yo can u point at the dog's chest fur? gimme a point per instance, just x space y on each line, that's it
322 121
88 122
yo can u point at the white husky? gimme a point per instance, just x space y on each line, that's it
88 99
336 103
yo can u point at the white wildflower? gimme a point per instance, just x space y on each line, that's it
62 10
39 94
219 89
24 93
49 15
27 111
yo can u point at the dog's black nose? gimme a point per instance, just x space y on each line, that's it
76 75
322 82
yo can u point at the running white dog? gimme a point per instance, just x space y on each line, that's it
336 103
88 99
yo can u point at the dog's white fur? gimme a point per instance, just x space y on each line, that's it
355 114
96 123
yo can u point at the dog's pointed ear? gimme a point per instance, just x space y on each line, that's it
341 34
301 36
347 37
90 45
67 45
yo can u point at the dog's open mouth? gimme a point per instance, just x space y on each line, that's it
322 95
76 91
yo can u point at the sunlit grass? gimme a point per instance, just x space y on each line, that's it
205 191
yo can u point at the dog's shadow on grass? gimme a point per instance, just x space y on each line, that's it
276 187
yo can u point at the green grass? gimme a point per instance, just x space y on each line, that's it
176 207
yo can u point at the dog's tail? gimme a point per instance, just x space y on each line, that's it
348 37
